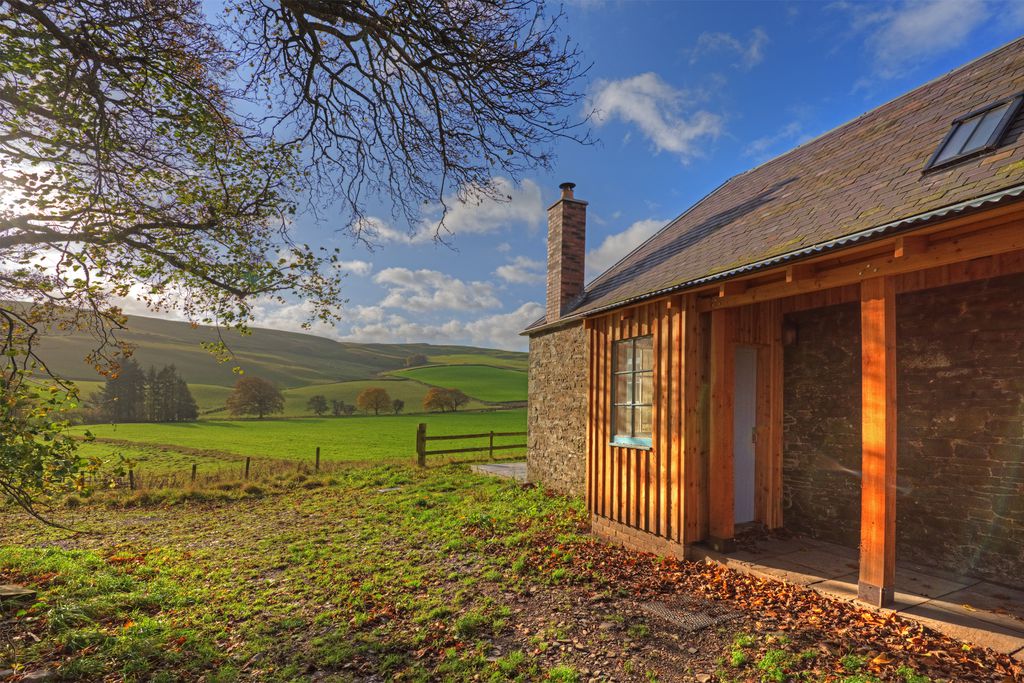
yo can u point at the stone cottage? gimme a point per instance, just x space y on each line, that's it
832 342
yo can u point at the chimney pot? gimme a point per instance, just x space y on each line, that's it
567 245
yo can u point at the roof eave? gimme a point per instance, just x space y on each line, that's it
878 231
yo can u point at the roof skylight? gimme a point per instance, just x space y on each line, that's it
977 132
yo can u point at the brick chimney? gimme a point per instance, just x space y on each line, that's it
567 246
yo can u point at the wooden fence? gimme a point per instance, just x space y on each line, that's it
490 448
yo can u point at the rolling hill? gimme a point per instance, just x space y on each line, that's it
289 359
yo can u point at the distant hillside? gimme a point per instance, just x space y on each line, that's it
288 359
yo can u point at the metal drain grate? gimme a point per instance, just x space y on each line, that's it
690 615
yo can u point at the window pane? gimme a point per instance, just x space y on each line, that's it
644 353
624 355
623 423
643 426
644 388
987 125
960 135
623 388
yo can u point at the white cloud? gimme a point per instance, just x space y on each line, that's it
470 211
902 35
502 330
504 247
614 247
523 271
290 317
921 30
430 290
659 110
354 267
497 331
750 53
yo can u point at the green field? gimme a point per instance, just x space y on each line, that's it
409 391
482 382
340 439
500 359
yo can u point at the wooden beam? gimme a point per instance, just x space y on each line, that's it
800 271
721 486
732 288
910 245
954 249
878 436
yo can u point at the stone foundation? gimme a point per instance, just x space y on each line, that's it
634 539
557 411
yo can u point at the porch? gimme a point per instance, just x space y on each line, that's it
975 611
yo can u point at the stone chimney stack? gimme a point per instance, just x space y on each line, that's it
567 246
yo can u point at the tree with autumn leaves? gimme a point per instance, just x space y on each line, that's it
373 399
444 400
255 396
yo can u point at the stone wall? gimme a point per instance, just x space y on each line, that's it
960 473
557 411
960 398
821 419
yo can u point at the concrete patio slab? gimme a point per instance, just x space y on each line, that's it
825 563
845 588
927 584
505 470
988 597
955 621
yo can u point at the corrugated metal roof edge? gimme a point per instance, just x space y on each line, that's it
830 245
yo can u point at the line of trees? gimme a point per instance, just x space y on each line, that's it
136 396
372 399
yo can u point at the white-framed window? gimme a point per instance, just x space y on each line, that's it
633 391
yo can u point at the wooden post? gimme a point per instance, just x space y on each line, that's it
317 459
131 479
878 437
693 378
490 447
721 487
193 473
247 460
421 445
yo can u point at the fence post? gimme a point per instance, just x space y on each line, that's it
194 473
317 459
131 479
247 459
490 447
421 444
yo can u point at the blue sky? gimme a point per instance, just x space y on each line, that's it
685 95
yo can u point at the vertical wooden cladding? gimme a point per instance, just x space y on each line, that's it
673 490
639 487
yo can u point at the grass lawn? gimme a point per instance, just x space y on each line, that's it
386 437
479 381
392 572
158 460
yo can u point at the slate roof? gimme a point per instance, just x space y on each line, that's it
866 173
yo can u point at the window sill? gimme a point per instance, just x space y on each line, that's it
629 442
